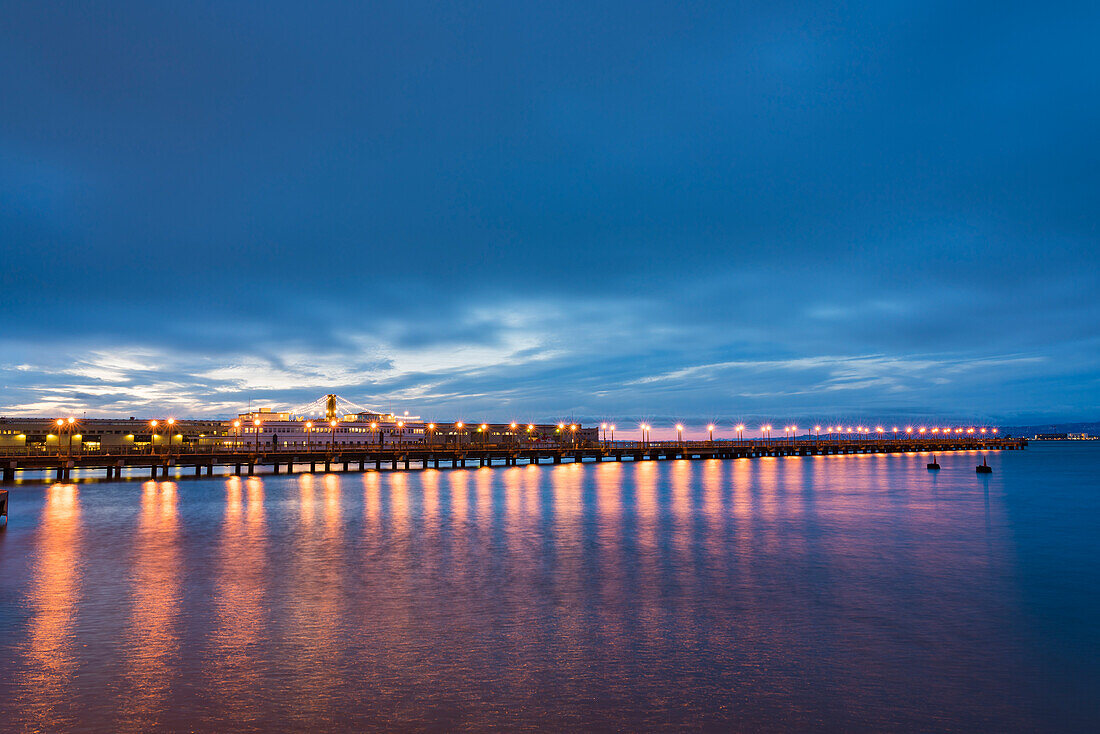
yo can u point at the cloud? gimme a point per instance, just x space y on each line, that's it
670 209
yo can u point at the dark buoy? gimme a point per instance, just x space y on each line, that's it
933 466
984 468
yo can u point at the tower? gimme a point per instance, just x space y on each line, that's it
330 407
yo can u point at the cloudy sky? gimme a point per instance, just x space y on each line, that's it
628 210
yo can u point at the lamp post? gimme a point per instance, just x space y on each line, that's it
60 430
710 430
431 433
171 426
256 434
740 432
458 434
152 435
612 427
237 435
680 434
513 425
332 442
309 436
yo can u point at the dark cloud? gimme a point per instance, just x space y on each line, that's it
856 207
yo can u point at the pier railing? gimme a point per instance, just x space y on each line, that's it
321 448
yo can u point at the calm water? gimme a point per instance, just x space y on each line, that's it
801 593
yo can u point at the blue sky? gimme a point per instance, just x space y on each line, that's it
681 211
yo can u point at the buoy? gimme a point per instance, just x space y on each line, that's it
984 468
933 466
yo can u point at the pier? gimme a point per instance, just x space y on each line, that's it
189 462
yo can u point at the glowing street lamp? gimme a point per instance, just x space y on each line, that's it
309 435
710 430
680 432
612 427
740 431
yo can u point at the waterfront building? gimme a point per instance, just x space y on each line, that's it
95 434
266 429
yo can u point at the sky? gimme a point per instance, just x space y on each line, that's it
624 211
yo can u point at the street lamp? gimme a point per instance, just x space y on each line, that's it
256 439
740 432
431 433
458 433
612 427
710 430
309 436
152 435
237 433
332 443
171 423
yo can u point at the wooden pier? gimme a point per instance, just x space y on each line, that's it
421 456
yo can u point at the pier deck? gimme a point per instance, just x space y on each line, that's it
182 462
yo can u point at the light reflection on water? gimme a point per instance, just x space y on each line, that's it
774 593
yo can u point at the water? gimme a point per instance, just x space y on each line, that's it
856 593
